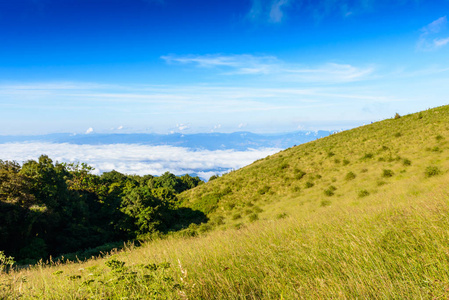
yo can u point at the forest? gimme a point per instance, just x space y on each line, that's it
50 209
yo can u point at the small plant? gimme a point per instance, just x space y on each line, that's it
381 183
330 191
296 189
309 184
330 154
397 134
432 171
284 166
368 156
345 162
253 217
337 161
264 190
299 174
281 215
397 116
236 216
6 262
439 137
257 209
350 176
213 177
363 170
387 173
407 162
420 116
325 203
363 193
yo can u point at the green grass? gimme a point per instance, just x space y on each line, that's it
275 233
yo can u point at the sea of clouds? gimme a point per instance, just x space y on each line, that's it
137 159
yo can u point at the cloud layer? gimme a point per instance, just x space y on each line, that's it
138 159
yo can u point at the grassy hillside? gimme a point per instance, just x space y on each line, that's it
350 168
359 214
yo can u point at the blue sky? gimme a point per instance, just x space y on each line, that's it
200 66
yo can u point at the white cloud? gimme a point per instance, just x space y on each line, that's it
182 127
89 130
120 127
246 64
434 35
242 125
138 159
276 13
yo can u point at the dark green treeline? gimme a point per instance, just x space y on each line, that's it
51 208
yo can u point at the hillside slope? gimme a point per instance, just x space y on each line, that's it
363 214
350 167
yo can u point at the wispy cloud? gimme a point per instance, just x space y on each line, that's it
434 35
240 64
138 159
276 11
246 64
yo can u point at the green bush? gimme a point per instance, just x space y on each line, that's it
253 217
236 216
387 173
6 262
350 176
345 162
432 171
309 184
281 216
397 116
264 190
325 203
363 193
407 162
368 156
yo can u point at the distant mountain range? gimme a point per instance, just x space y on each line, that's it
208 141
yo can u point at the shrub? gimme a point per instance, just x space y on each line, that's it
264 190
325 203
296 189
420 116
309 184
284 166
281 215
236 216
432 171
253 217
387 173
439 137
6 262
368 156
337 161
363 170
257 209
330 154
328 192
363 193
397 116
213 177
398 134
299 174
345 162
350 176
381 183
407 162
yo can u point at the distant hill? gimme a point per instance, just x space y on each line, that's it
208 141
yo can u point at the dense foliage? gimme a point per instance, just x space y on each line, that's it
51 208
